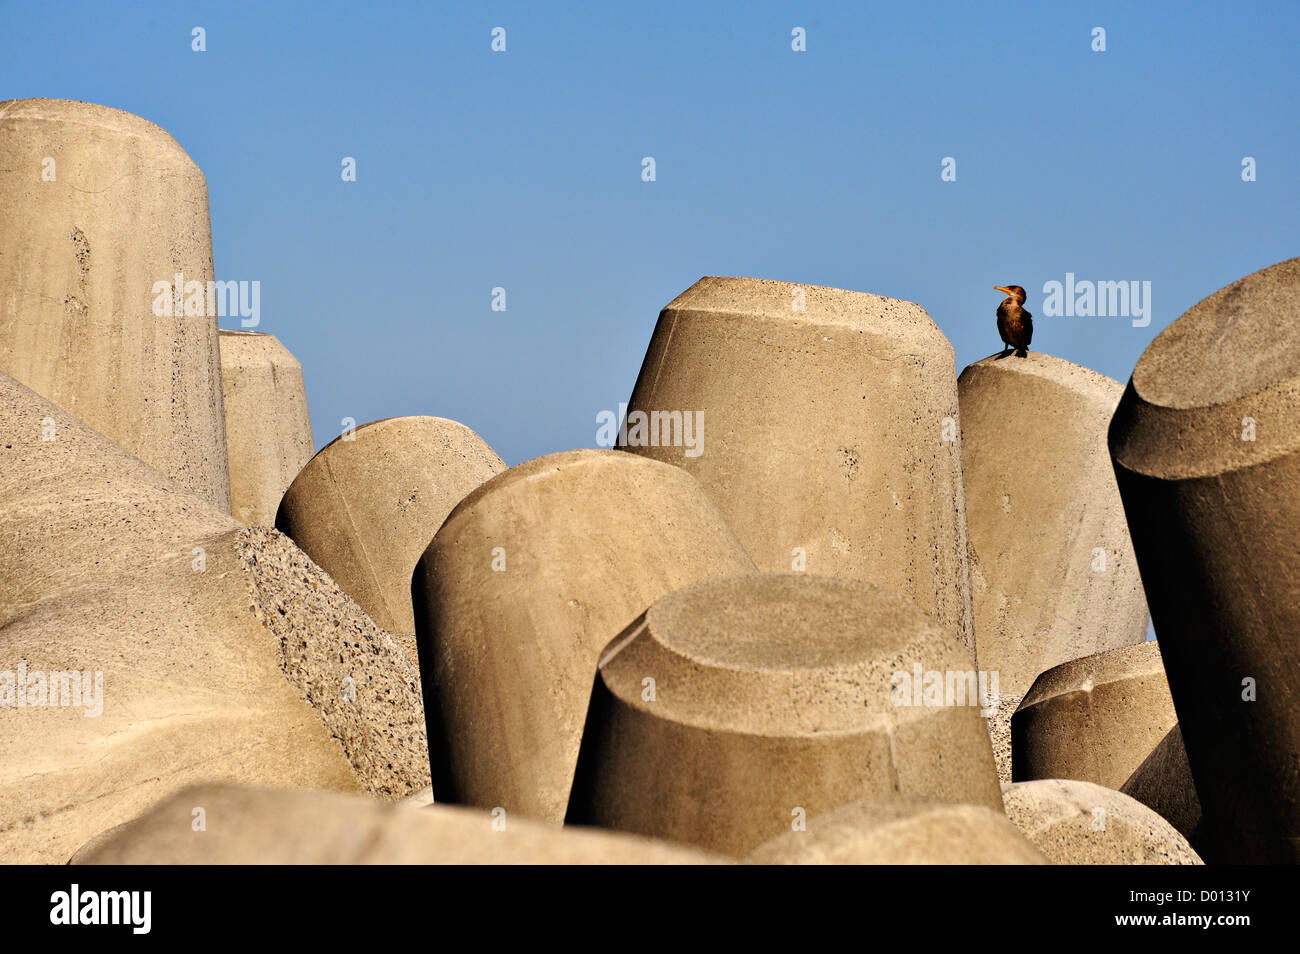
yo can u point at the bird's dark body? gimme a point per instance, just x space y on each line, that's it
1015 325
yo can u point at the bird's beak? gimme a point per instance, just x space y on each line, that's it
1001 289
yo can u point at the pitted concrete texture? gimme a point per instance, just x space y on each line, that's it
204 646
1206 450
255 826
97 206
1163 783
1094 719
902 830
366 507
268 429
827 432
1053 576
731 707
1081 823
527 581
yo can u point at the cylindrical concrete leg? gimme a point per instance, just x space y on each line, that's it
823 423
99 210
1053 576
734 710
1094 719
1080 823
1163 783
1206 448
902 830
368 504
268 429
527 581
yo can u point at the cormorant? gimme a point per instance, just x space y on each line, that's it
1015 325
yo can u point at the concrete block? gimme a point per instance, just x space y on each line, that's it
255 826
775 699
829 431
528 580
1095 719
97 206
268 429
903 831
366 507
184 648
1206 449
1080 823
1053 577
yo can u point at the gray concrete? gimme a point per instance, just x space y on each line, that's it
79 259
1215 523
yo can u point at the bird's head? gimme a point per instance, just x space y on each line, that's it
1012 291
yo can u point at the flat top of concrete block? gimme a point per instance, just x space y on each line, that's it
1082 675
783 622
93 115
779 654
766 298
1074 377
1241 340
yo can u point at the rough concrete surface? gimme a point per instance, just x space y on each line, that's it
1080 823
366 507
830 432
772 698
902 830
1206 450
256 826
78 268
528 580
268 429
1163 783
221 651
1053 576
1094 719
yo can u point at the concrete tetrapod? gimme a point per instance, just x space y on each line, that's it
149 642
529 578
97 208
1080 823
253 826
368 504
832 440
902 830
736 709
1094 719
1206 449
1163 783
268 429
1053 576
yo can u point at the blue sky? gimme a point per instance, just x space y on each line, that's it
522 170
